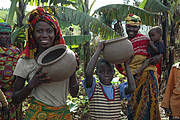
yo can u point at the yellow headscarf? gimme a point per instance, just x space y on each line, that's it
132 19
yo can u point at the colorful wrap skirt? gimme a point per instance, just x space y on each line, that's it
143 105
40 111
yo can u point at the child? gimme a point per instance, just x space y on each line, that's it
103 96
171 97
155 48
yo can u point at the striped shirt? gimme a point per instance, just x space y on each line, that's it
105 101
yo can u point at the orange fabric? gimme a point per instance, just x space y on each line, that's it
172 94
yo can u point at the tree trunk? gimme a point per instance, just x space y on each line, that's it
172 43
20 13
164 38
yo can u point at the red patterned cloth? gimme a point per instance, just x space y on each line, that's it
39 14
140 43
8 60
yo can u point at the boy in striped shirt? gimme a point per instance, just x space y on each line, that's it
104 97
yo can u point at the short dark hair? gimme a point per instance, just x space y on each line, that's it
102 60
158 29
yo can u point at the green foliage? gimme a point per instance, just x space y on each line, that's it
79 18
12 12
120 12
76 40
3 14
153 6
18 36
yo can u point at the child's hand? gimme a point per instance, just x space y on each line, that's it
101 44
138 72
151 42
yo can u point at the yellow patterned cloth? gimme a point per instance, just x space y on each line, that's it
143 104
132 19
137 62
42 111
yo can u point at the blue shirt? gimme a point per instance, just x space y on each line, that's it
108 89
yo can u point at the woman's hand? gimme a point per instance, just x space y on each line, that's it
39 78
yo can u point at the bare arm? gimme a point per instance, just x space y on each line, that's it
151 43
145 64
131 82
73 86
150 61
21 91
91 65
155 60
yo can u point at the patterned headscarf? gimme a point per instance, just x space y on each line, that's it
132 19
5 27
40 15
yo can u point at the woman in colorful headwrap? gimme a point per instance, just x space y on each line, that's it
48 99
8 58
143 104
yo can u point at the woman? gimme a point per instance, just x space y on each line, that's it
8 58
48 98
143 104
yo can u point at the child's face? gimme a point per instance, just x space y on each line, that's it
155 36
105 74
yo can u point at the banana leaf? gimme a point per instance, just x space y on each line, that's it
76 17
76 40
153 6
19 34
120 11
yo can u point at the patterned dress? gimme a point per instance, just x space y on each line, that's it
143 104
8 60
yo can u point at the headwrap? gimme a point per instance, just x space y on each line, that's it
40 15
5 27
132 19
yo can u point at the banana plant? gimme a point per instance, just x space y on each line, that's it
79 18
153 6
19 6
120 11
11 11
